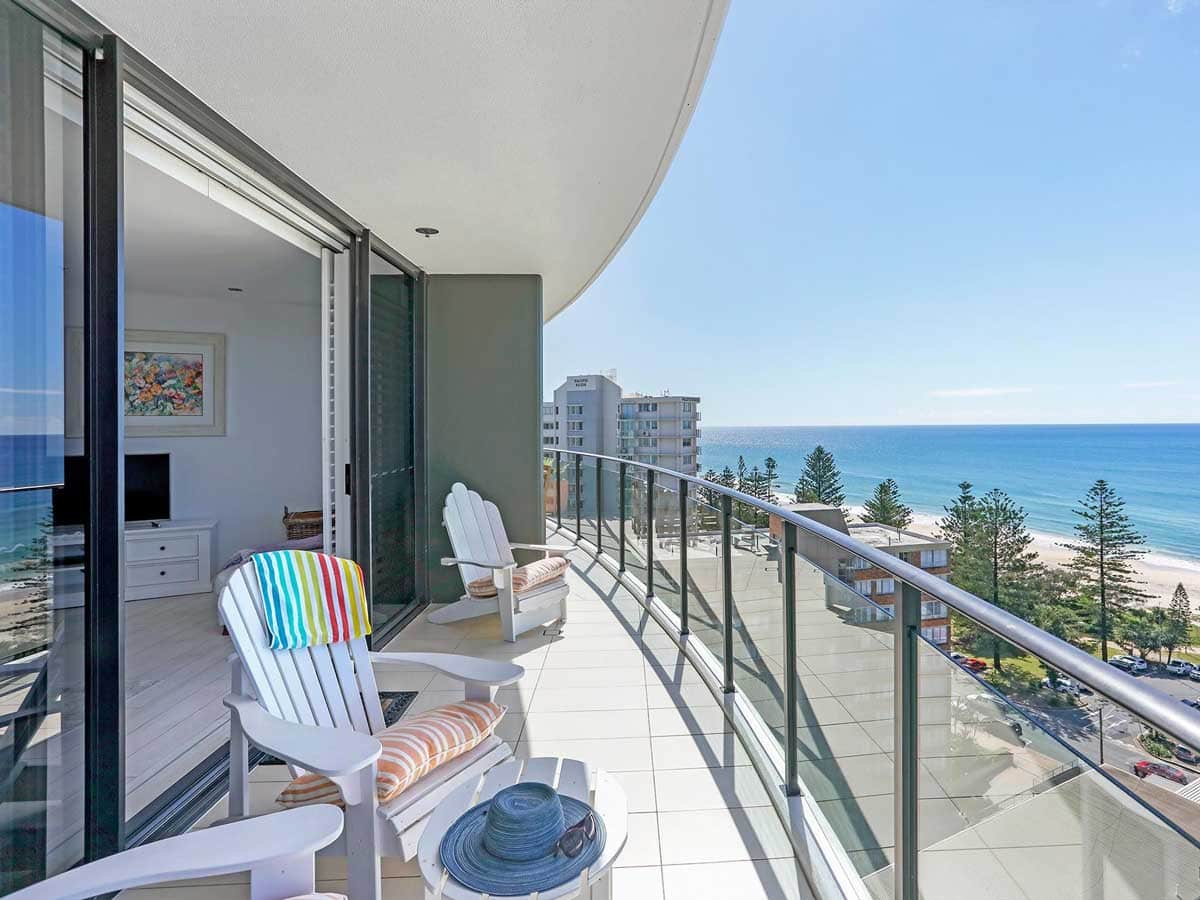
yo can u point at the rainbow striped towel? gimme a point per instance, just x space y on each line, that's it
311 598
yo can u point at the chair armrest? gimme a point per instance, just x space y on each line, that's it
270 842
326 751
452 561
467 669
548 549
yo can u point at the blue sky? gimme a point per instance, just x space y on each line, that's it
889 213
31 323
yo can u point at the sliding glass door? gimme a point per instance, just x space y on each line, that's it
44 501
391 486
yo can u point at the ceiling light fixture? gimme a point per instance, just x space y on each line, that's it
427 231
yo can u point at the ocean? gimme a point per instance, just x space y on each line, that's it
1044 468
26 459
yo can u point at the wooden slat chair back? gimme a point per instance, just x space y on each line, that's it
476 532
482 550
330 685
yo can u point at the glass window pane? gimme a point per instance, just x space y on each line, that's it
43 487
635 523
393 488
706 611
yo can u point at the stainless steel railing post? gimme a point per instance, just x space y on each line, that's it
791 719
621 506
727 585
558 488
578 497
683 562
599 506
649 533
908 630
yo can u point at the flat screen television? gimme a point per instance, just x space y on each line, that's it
147 489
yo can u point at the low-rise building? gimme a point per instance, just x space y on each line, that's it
921 550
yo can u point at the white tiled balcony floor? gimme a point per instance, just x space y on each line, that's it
614 691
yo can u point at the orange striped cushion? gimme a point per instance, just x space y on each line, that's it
411 749
524 577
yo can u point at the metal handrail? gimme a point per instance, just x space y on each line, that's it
1158 709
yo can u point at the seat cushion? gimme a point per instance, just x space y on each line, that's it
525 577
411 749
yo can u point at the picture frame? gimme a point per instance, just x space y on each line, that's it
174 384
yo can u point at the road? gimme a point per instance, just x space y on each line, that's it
1080 727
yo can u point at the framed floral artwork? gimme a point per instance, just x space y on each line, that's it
174 384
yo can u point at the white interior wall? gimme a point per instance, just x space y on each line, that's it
270 454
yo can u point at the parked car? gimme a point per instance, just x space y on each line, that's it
1179 667
1194 674
1187 755
974 663
1063 686
1191 701
958 657
1145 767
1134 664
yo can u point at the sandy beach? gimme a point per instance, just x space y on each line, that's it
1159 572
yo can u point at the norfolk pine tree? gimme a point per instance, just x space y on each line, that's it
771 472
885 507
1006 567
1179 619
820 482
1106 548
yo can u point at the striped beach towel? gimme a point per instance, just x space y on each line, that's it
311 598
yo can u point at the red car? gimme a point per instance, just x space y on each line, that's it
974 664
1145 767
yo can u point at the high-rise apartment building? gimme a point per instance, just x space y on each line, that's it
662 430
589 413
582 415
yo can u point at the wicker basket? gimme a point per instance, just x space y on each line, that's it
302 524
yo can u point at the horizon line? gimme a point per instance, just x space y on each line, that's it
954 425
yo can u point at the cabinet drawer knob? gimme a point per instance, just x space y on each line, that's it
162 549
162 574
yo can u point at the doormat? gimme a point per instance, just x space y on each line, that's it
394 704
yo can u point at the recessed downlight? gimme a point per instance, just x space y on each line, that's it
427 231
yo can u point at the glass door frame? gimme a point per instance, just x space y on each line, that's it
360 431
109 65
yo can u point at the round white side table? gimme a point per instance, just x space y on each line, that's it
568 776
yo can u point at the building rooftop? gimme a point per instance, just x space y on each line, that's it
666 395
887 537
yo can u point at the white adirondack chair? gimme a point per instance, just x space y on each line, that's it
482 549
277 850
317 708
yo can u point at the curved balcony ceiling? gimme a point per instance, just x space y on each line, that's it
532 134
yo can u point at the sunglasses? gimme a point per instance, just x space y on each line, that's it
575 838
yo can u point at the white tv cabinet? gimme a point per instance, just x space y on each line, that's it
168 558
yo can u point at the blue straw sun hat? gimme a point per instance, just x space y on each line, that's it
506 846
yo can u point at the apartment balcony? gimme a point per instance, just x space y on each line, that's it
616 690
